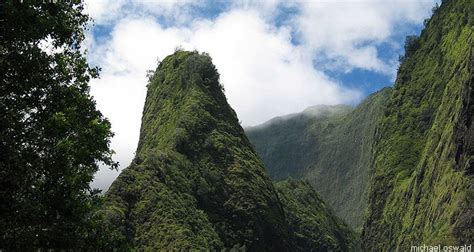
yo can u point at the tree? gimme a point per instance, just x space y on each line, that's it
52 137
412 44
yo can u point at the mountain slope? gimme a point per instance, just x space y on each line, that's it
196 182
284 143
422 187
331 150
313 224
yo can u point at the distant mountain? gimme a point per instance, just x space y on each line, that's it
196 182
422 187
313 224
310 112
330 146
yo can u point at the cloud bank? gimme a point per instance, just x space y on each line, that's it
272 55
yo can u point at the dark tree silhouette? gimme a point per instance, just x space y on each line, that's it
52 137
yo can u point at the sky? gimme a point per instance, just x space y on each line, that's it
274 57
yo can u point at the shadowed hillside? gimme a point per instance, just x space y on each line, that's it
313 224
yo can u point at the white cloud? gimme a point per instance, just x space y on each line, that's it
120 92
106 11
348 32
103 11
344 33
120 98
263 72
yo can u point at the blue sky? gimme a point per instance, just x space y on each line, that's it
275 57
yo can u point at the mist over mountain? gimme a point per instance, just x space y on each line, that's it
310 112
330 146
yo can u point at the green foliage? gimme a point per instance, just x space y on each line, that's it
331 149
51 135
411 45
421 190
196 182
312 223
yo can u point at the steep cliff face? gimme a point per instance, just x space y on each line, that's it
331 149
312 223
422 186
196 182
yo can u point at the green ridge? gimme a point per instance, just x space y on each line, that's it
330 149
421 189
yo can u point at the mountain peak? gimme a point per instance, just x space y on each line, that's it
196 182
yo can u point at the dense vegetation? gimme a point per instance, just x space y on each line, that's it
312 223
421 190
51 135
196 182
330 146
403 158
